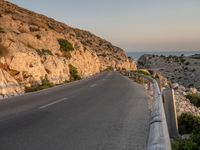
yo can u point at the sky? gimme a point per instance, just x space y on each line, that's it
134 25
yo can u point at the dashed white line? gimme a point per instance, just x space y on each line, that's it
93 85
52 103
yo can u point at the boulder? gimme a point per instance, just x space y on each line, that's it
175 86
193 90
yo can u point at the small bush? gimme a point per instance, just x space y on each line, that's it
65 45
109 68
73 73
44 52
187 63
142 72
188 124
45 84
192 143
182 60
194 99
146 74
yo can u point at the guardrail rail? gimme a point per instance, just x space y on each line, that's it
158 138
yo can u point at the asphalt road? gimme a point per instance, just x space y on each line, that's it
104 112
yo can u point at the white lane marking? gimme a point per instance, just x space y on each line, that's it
52 103
104 79
93 85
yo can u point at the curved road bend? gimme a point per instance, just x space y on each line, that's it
105 112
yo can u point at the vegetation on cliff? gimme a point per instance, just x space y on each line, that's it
73 73
33 46
188 124
45 83
65 45
194 99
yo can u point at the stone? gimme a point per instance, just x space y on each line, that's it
8 85
175 85
33 50
182 88
193 90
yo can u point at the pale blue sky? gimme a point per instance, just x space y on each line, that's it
135 25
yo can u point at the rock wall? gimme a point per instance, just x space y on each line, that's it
8 85
30 51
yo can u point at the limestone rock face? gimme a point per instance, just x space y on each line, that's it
88 65
30 50
57 69
8 85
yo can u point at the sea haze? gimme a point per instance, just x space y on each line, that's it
137 55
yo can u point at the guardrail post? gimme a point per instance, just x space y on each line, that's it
170 112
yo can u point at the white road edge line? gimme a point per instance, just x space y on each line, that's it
52 103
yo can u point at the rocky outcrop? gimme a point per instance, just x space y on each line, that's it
182 70
8 85
30 50
183 104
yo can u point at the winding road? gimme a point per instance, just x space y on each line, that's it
104 112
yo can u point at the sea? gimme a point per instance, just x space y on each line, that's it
137 55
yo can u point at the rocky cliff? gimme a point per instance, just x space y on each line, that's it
33 46
183 70
159 66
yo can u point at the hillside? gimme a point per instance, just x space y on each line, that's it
183 70
34 47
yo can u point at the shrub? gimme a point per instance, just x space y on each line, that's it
187 63
142 72
194 99
65 45
188 123
129 57
44 52
182 60
192 143
44 85
73 73
109 68
146 74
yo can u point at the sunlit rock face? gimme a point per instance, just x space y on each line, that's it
30 50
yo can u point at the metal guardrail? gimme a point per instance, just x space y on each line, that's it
158 138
